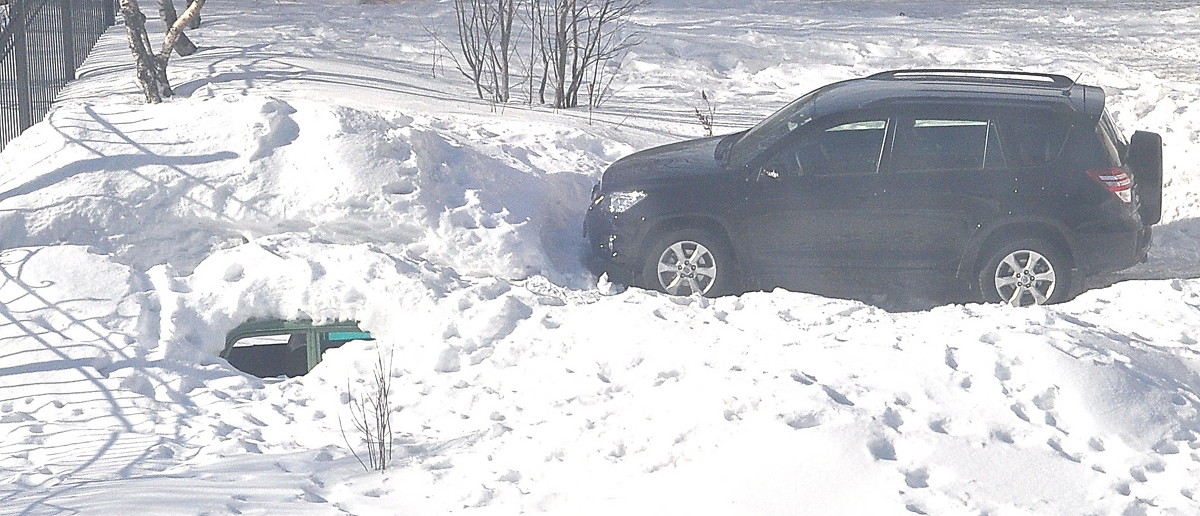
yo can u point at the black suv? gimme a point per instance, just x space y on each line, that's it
1017 185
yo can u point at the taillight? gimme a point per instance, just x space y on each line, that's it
1116 181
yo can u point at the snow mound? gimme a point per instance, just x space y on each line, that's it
146 186
531 390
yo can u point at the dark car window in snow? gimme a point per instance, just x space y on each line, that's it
269 349
1029 140
848 148
944 144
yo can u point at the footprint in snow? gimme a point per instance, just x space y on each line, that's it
667 376
802 420
892 419
1018 408
1003 372
1138 474
235 273
804 378
1045 400
951 361
837 396
311 496
1002 435
917 478
882 449
1056 444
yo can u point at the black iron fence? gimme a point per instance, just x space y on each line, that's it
42 43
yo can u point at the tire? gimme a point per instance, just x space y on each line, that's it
1026 272
687 262
1145 158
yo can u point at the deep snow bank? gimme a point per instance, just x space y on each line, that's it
530 397
174 182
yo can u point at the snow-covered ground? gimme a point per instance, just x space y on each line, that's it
325 161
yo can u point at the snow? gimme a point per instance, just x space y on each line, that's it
324 161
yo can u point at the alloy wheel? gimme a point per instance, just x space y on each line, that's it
1024 278
685 268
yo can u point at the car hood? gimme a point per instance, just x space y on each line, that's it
687 158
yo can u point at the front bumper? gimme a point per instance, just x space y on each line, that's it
614 244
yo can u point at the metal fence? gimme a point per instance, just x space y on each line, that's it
42 43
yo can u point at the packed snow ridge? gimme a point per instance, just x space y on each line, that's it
325 162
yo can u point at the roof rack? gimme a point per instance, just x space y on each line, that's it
1032 78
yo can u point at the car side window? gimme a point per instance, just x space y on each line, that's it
947 144
1031 138
851 148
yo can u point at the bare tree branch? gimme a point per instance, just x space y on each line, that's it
176 29
184 45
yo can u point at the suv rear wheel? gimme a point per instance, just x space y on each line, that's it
1025 272
686 262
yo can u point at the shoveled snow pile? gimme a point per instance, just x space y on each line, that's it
318 164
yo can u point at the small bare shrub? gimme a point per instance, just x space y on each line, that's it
706 116
371 417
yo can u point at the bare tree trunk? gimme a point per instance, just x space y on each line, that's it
562 28
175 31
151 73
470 41
573 42
194 23
166 9
507 10
485 36
544 45
152 68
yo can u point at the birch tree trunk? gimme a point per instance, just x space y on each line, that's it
175 31
166 9
152 68
151 73
195 22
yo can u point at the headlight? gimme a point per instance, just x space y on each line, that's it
620 202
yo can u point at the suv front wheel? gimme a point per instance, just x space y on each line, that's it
1026 272
686 262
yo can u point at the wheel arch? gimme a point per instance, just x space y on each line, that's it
682 222
991 237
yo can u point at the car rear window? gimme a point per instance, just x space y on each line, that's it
1031 138
1113 140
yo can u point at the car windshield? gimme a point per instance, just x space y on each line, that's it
774 128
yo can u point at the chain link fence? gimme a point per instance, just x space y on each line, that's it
42 43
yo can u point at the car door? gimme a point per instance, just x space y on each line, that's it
944 176
813 202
